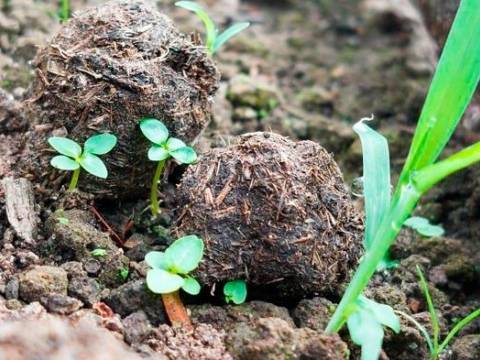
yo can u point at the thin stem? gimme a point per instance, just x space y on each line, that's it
176 311
385 236
457 328
421 329
154 191
65 10
74 180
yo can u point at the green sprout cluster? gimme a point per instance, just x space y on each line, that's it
163 148
74 158
214 39
169 269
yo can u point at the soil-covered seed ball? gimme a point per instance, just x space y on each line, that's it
272 211
107 68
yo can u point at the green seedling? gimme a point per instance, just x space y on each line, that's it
235 292
163 148
63 221
455 80
436 347
74 158
123 273
214 40
170 272
98 253
64 10
423 227
366 323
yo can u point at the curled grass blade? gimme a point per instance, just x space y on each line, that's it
207 21
376 178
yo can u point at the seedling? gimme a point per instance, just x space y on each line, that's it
169 273
123 273
73 158
235 291
64 10
434 346
163 148
63 221
98 253
423 227
214 40
453 85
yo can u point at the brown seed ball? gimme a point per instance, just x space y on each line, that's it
272 211
107 68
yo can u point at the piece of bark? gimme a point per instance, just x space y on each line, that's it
20 206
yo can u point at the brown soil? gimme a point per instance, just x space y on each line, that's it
305 70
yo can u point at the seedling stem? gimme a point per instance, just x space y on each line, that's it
176 311
154 189
74 180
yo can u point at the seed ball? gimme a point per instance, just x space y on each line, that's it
274 212
107 68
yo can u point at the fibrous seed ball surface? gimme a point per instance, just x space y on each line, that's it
272 211
107 68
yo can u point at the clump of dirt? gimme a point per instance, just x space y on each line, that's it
54 338
271 211
107 68
273 338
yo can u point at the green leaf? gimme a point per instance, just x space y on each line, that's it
98 252
100 144
65 146
207 21
367 332
175 144
185 254
376 178
94 165
191 286
64 163
157 260
154 130
452 88
384 314
228 34
163 282
423 226
158 153
235 291
123 273
185 155
426 178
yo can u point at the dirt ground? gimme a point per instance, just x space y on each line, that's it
297 79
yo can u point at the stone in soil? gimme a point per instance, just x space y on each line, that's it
226 317
42 281
467 348
274 212
134 296
204 343
106 69
273 338
86 289
76 238
313 313
61 304
56 339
